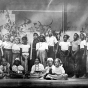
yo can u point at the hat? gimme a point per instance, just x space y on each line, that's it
49 59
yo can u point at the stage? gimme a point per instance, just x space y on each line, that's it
43 83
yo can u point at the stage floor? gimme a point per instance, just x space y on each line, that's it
42 83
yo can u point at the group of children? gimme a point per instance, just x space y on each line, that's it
54 70
17 57
14 53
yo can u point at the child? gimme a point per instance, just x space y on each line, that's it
7 49
83 48
65 48
37 67
48 69
58 71
17 69
42 48
33 48
52 42
16 49
4 68
75 55
25 54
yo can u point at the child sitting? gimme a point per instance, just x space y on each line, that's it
17 69
58 71
48 69
37 68
4 68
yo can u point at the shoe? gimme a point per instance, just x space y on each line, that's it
83 77
73 77
41 78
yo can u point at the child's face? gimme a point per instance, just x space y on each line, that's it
6 38
57 64
65 38
12 39
36 61
17 41
24 40
50 63
35 36
82 36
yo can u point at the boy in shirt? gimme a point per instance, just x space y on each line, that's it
25 48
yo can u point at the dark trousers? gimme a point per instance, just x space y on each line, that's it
51 52
8 56
32 61
76 63
65 60
82 63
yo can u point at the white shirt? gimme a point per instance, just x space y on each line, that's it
51 40
59 70
47 68
87 45
41 46
25 49
75 45
1 43
16 47
7 45
38 67
64 45
83 43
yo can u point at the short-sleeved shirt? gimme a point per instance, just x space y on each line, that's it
16 48
38 67
64 45
1 43
41 46
75 45
51 40
82 44
87 45
59 70
7 45
25 49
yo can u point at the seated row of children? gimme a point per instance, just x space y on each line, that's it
17 70
51 71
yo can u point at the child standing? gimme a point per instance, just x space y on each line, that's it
25 54
7 49
16 49
42 48
75 55
83 48
65 48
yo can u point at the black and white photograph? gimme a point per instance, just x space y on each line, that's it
44 43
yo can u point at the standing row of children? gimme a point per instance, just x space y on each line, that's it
73 55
